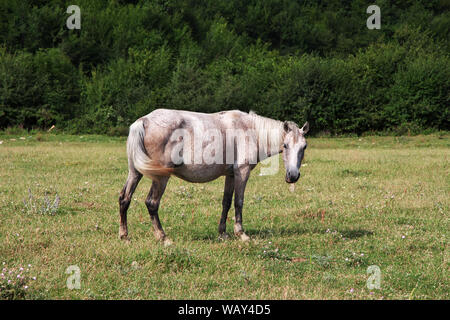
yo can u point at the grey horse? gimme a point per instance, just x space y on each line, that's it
200 147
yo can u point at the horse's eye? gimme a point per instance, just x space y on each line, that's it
285 146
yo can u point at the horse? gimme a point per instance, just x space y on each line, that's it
201 147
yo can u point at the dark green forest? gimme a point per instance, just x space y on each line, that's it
297 60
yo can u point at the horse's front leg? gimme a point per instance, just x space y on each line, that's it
152 202
241 175
226 204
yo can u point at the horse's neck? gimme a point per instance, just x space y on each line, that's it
270 135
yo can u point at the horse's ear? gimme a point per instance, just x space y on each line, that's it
287 127
305 128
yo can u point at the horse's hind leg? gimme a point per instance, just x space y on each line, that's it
152 202
124 200
226 204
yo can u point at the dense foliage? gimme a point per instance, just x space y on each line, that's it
298 60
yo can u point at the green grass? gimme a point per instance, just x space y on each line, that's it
360 201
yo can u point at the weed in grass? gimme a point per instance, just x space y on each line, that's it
184 192
15 283
322 261
270 251
355 259
42 205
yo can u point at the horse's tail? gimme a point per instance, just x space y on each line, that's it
137 154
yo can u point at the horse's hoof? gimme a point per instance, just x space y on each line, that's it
244 237
224 236
124 237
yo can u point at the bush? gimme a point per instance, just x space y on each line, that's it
313 89
282 59
37 90
125 91
421 93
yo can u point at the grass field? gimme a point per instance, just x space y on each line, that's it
365 201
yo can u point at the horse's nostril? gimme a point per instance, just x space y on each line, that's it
292 176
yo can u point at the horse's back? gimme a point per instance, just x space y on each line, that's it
174 119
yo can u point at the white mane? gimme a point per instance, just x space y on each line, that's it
269 133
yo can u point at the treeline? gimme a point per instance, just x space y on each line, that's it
298 60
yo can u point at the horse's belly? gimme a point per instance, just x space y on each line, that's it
200 172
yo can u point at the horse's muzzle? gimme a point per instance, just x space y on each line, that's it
292 178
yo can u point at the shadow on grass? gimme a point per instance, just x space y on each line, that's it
267 233
65 210
358 233
283 232
353 173
259 233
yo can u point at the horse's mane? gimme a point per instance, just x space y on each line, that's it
268 131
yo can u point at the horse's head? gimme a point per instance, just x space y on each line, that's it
294 145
